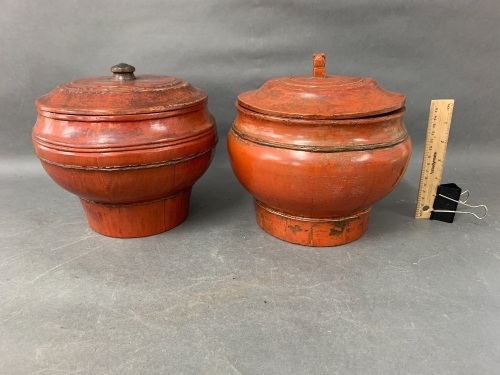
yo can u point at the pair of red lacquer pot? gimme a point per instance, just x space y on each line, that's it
316 152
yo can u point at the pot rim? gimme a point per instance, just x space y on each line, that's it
322 121
123 117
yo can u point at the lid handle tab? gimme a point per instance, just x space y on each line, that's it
123 72
319 65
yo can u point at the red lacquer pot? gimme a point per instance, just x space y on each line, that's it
129 147
317 153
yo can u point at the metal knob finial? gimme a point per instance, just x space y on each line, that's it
123 72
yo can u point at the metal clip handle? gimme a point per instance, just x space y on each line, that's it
462 202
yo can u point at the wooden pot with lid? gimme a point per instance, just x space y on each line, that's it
130 147
317 152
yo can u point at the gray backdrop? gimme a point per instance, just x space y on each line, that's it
424 49
216 294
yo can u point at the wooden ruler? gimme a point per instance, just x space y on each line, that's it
438 131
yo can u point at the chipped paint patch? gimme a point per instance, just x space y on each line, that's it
295 228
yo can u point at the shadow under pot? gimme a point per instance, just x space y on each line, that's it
130 147
317 152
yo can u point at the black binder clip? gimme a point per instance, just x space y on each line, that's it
448 197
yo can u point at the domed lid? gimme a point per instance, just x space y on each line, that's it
321 96
121 94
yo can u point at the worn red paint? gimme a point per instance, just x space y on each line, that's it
317 153
130 149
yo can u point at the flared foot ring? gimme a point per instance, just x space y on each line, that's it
138 220
311 231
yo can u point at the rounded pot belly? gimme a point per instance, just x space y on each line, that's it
317 184
127 185
134 176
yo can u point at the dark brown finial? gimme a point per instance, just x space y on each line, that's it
123 72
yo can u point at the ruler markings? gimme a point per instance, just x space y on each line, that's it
438 131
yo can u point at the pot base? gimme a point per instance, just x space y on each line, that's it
138 220
311 231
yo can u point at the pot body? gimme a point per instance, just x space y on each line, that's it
315 180
133 173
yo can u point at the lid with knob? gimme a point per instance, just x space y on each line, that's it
122 93
321 96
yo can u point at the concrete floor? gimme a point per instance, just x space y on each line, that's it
217 295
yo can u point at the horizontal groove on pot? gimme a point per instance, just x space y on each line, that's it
321 148
133 166
309 219
108 148
141 203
